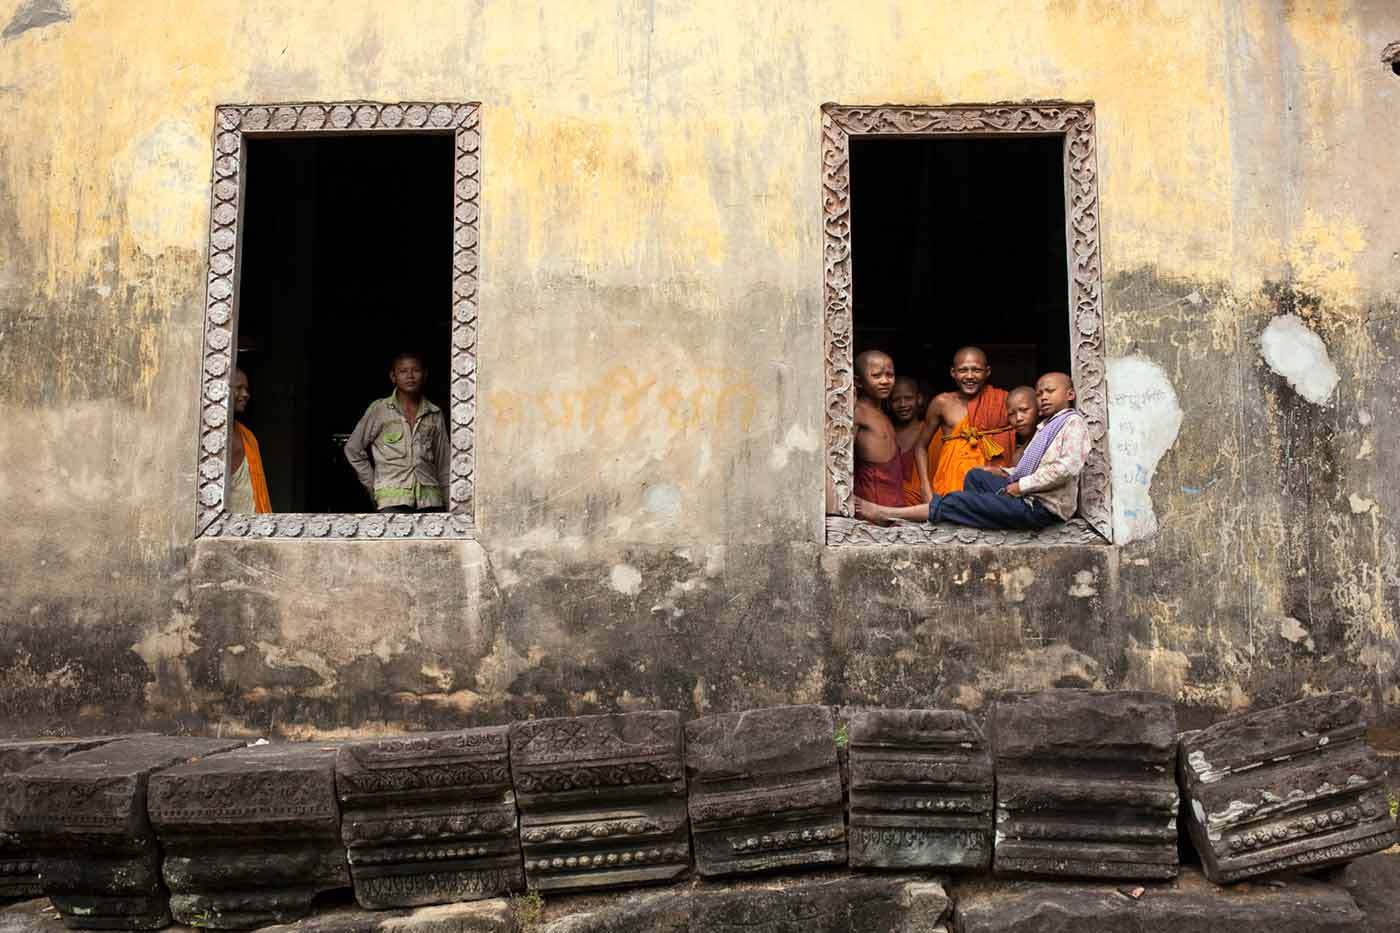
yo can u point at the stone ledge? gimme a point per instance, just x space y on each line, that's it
852 532
821 902
493 916
1363 897
1190 904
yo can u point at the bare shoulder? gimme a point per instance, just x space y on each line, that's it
939 404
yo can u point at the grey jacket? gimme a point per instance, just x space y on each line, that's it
398 463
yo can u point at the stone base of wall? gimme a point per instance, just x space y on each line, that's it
1364 897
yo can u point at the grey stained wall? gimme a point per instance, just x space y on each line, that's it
650 474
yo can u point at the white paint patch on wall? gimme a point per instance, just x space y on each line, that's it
1143 420
626 579
1297 354
797 438
663 501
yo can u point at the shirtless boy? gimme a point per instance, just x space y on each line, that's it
908 428
1042 489
879 478
970 423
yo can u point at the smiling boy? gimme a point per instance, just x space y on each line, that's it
399 449
1043 488
908 428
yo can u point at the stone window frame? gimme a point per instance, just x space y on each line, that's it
1074 122
233 124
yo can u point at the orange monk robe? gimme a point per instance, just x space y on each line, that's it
261 501
913 491
982 439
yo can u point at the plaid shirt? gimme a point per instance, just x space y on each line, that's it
1055 482
398 463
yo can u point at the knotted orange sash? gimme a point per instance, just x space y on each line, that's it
976 437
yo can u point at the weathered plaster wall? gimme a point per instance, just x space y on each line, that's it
651 389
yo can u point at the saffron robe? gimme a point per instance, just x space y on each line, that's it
881 483
913 495
253 459
981 439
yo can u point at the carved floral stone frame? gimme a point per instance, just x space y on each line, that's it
1074 122
233 124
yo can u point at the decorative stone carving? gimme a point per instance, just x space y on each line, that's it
232 124
430 818
921 790
1293 787
852 532
85 816
602 799
1084 784
19 867
250 837
1073 121
765 790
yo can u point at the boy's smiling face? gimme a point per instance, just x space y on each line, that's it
904 400
238 387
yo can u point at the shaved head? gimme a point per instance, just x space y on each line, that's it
907 382
1054 392
1019 393
974 352
863 360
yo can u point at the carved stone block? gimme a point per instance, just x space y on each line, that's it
430 818
1084 784
19 867
85 816
602 799
250 837
765 790
921 790
1294 787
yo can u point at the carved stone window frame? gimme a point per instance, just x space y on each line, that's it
1074 122
234 124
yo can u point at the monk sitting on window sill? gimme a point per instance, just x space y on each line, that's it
1042 489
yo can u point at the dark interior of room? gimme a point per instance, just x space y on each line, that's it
961 241
346 259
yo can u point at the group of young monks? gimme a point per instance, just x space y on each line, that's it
978 456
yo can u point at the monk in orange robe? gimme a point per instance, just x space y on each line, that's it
246 487
965 429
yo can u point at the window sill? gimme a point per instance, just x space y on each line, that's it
362 527
851 532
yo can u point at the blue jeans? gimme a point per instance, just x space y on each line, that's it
983 504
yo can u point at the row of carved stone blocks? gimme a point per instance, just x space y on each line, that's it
1073 783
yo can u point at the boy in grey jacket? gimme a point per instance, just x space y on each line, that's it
400 448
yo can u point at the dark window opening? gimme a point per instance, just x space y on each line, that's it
961 241
336 276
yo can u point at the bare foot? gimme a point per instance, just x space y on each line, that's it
870 512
